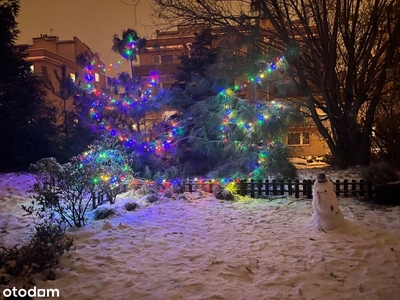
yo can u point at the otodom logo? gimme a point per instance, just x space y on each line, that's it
32 292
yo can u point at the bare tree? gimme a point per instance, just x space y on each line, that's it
338 51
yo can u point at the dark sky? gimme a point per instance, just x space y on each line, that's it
94 22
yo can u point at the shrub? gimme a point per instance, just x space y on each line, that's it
44 250
386 181
102 213
149 188
151 198
129 206
168 192
380 173
220 192
108 164
61 191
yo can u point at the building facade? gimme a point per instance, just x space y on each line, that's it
49 55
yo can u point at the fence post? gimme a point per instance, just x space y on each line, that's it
190 186
304 187
361 188
242 187
337 188
346 187
309 189
353 188
274 187
267 187
290 188
237 187
296 188
282 187
93 200
252 188
259 188
210 186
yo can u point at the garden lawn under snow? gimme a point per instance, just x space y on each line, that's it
197 247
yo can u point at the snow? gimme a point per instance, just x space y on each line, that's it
198 247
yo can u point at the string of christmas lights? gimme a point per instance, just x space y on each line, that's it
104 102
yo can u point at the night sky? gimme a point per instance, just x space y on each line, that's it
94 22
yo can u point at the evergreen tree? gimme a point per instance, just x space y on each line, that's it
218 132
26 126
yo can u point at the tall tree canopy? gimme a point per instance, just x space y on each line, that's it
218 133
25 132
339 53
128 45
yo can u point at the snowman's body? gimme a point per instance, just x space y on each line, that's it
327 214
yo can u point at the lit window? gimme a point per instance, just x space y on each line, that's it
72 76
298 138
32 67
97 77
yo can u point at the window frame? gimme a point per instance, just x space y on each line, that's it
304 138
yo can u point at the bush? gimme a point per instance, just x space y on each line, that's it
44 250
102 213
108 164
386 181
220 192
149 188
61 191
129 206
380 173
151 198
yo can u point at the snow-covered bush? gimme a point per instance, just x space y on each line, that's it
66 191
102 213
44 250
149 188
108 164
222 193
62 192
129 206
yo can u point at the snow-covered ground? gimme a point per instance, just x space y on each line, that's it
198 247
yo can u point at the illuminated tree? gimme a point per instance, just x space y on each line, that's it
337 56
216 131
128 45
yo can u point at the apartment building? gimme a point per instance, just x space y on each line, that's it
48 55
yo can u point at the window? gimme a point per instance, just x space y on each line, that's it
306 138
156 59
96 77
294 138
299 138
32 67
167 59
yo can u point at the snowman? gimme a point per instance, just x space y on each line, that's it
327 214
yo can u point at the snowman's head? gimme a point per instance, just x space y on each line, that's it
321 188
